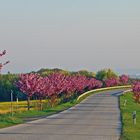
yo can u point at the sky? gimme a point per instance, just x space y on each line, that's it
70 34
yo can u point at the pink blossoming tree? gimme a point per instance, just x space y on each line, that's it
111 82
124 79
2 64
55 86
136 91
29 85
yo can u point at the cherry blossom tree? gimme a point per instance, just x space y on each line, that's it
124 79
80 83
2 64
136 91
29 85
111 82
77 84
57 86
70 88
93 84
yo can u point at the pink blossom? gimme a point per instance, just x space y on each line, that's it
124 79
111 82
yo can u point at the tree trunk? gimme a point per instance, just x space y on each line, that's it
40 103
53 100
28 102
36 104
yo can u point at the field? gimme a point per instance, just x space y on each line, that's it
7 107
130 131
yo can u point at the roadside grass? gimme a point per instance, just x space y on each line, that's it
49 111
7 120
130 131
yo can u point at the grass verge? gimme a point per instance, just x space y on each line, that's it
130 131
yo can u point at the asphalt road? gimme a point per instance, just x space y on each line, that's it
96 118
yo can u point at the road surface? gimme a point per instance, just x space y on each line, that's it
95 118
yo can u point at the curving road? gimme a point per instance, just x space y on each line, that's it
96 118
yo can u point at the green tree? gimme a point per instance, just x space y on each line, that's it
86 73
7 83
106 74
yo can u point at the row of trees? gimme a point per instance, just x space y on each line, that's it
55 86
7 83
60 86
115 81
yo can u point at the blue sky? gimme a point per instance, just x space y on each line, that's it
70 34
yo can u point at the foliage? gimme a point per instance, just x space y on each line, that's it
29 84
115 81
45 72
85 73
105 74
124 79
111 82
55 86
6 85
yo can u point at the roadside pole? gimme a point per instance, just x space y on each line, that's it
134 117
11 102
17 103
125 101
